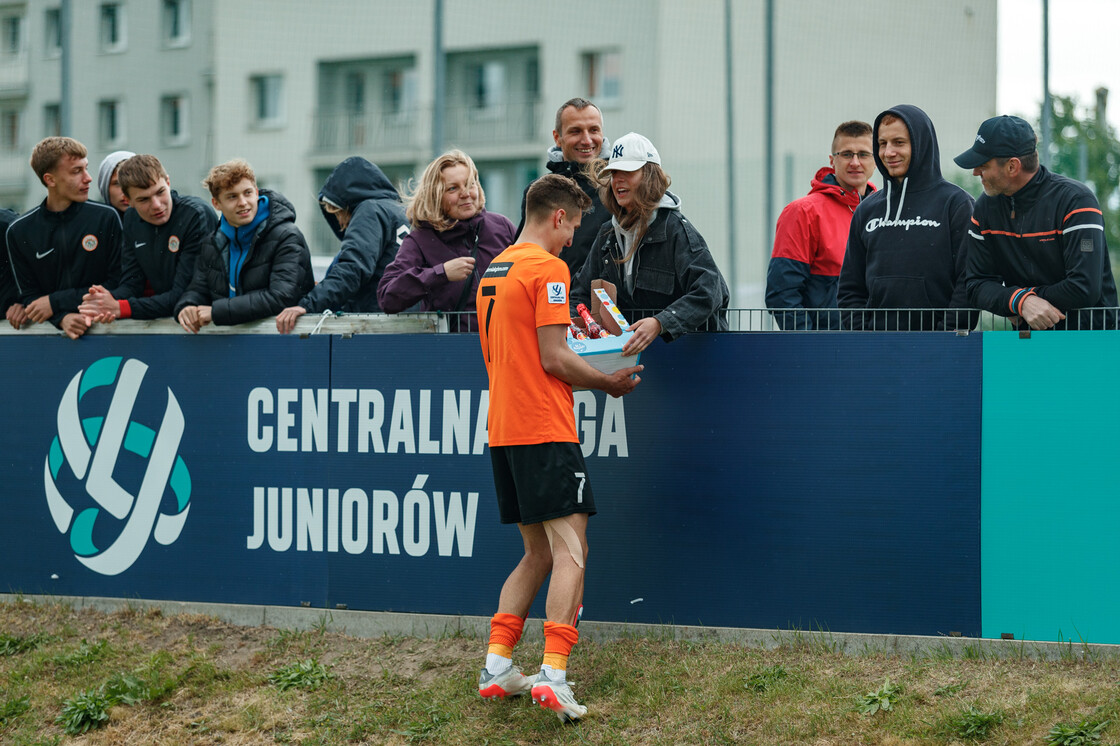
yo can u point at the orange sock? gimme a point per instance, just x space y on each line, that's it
558 642
505 631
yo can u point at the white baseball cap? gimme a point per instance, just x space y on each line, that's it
631 152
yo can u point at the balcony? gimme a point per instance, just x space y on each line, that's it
507 124
342 134
15 174
14 75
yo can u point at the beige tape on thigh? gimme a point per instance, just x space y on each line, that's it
561 527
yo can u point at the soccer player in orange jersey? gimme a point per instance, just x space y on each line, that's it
539 473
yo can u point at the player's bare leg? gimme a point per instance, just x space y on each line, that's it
500 678
568 537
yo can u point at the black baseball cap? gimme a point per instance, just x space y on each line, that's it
999 137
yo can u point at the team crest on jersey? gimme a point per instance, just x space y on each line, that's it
89 242
173 244
557 293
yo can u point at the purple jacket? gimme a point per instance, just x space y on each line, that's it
416 274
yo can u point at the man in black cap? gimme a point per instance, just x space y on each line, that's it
1037 248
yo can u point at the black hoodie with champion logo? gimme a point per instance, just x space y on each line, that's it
907 242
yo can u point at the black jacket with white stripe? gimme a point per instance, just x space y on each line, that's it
1047 237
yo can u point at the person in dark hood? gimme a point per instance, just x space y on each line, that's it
255 264
907 242
812 233
364 210
579 139
658 262
452 242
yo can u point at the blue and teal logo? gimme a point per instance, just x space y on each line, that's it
113 482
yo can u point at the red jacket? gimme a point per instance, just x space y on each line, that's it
809 243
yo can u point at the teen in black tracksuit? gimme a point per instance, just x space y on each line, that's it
1046 239
907 241
157 261
272 260
61 254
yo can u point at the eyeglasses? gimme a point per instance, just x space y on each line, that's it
847 155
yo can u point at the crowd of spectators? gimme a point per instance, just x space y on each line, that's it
920 254
914 253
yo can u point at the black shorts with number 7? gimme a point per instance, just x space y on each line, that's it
539 482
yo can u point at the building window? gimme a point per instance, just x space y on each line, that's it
52 120
533 79
602 74
177 22
268 98
9 130
173 120
12 42
112 27
111 122
400 91
488 85
53 39
354 92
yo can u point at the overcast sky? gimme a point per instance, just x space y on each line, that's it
1084 53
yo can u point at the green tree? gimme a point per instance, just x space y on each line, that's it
1084 147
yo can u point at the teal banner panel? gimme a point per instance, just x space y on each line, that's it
1049 504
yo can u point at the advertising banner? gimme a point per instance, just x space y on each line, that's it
751 480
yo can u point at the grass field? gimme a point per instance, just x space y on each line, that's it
139 677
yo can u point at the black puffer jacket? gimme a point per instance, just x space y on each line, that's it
369 243
675 275
275 274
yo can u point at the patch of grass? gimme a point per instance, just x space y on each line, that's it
945 691
305 674
972 724
85 654
11 645
86 710
10 709
765 679
879 700
1083 733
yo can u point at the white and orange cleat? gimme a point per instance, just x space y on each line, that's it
509 683
557 696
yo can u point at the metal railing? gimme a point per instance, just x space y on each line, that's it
905 319
345 133
513 123
961 321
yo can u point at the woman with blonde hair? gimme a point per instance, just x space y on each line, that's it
658 262
452 242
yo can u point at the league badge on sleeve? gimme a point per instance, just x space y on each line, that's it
557 293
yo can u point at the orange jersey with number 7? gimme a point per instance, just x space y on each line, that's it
524 288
